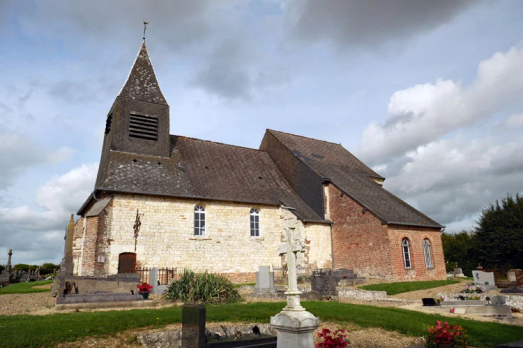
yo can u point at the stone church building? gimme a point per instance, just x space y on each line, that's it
164 200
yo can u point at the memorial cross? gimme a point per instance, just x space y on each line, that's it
290 248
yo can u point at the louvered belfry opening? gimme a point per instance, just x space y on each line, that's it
143 126
108 123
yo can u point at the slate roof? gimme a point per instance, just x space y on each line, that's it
97 208
141 84
206 170
333 161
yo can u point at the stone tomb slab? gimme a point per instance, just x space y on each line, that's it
498 312
466 303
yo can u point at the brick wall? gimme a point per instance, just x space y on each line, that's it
359 239
419 270
361 242
167 239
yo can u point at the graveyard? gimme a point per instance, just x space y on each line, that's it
288 310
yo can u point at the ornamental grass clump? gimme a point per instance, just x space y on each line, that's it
439 335
202 288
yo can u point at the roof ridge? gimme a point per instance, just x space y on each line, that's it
302 136
217 142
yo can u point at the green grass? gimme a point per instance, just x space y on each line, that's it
24 288
49 330
398 288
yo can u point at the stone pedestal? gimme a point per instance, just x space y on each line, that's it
295 328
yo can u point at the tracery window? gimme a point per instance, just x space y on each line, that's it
255 222
199 220
405 246
427 253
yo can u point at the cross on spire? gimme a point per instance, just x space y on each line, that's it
144 29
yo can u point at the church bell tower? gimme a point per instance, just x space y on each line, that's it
138 121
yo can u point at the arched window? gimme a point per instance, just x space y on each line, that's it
255 223
405 246
428 255
199 220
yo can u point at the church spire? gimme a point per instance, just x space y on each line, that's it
141 83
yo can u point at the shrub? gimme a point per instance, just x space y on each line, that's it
202 288
446 334
336 339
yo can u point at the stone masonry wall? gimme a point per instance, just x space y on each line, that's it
419 270
77 243
167 239
360 241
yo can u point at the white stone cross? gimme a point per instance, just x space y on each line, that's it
291 248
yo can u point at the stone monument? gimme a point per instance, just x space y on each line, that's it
193 325
294 324
485 279
324 282
264 281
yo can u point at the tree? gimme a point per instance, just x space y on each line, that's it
498 239
48 268
2 268
457 248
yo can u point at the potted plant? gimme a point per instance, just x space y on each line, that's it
446 336
144 289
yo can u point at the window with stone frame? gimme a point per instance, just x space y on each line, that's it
199 221
405 247
255 222
428 253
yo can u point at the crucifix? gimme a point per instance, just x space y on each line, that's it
144 28
291 247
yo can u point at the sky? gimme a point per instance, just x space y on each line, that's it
427 93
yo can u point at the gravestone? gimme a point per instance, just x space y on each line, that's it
264 281
153 280
294 324
519 277
324 282
429 301
458 272
498 301
485 279
193 326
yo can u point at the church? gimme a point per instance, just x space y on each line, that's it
164 200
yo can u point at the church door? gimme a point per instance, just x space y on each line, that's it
126 262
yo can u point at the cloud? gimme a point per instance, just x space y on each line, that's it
36 236
354 24
451 180
425 112
514 121
19 153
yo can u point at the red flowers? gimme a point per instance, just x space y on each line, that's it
446 334
336 339
144 287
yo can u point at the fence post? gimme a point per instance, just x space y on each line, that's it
153 279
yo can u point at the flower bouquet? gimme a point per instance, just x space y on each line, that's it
336 339
144 289
446 336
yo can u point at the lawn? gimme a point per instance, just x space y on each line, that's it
398 288
37 331
24 288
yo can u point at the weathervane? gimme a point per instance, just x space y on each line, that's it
144 28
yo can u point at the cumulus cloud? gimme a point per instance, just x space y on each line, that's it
36 235
425 112
20 153
368 24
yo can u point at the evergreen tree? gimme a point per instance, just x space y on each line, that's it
498 239
457 248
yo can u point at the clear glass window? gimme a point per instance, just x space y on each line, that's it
405 246
255 223
199 220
